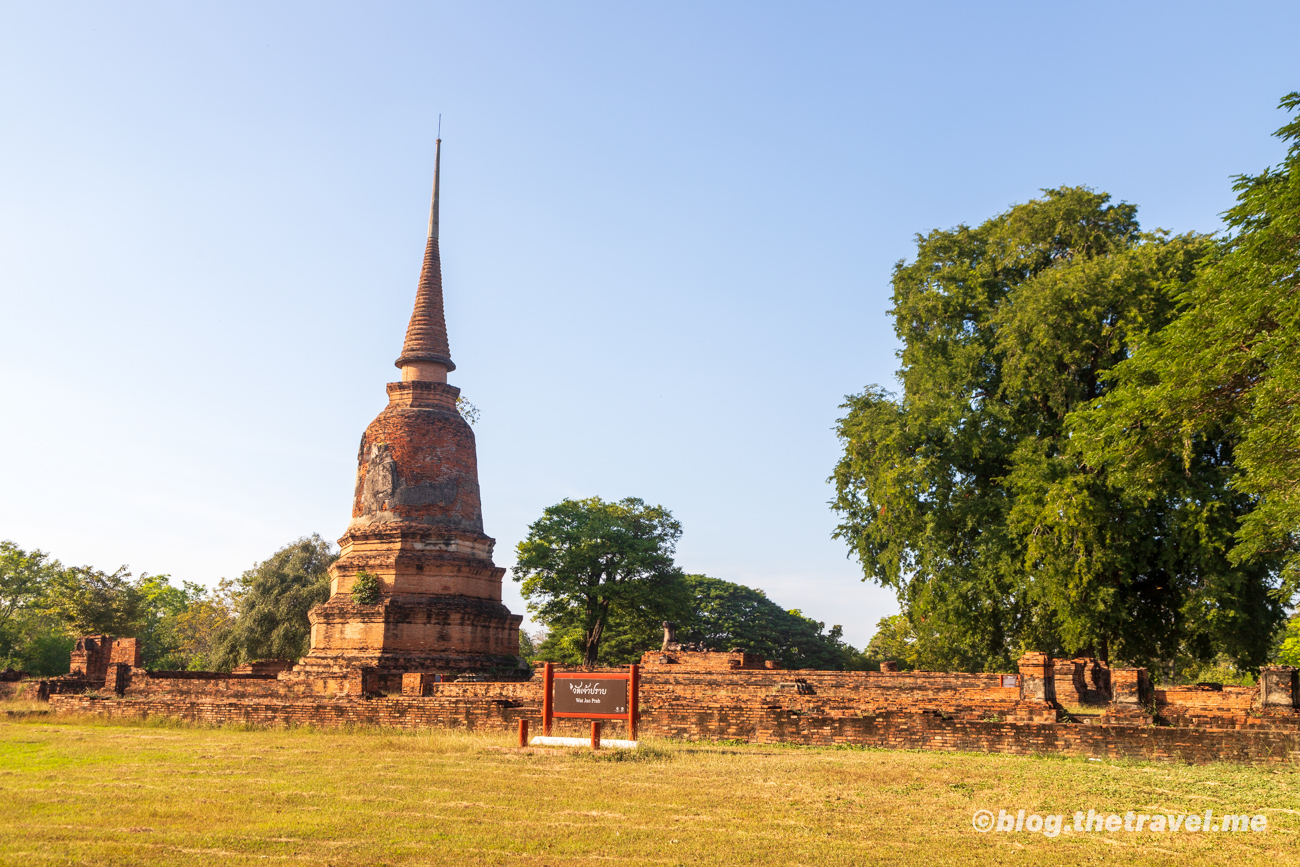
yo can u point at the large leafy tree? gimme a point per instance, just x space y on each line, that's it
720 615
272 600
24 576
31 638
967 495
585 562
92 601
726 615
1228 366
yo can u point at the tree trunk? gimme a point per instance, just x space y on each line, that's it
593 644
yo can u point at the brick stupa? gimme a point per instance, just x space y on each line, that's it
417 525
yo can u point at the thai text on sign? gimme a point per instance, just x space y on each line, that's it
594 695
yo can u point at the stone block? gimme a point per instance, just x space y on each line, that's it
1278 688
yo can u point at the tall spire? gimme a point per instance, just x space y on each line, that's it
425 354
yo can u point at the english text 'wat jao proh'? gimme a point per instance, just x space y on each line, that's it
417 525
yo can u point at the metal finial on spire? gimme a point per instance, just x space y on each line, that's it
437 161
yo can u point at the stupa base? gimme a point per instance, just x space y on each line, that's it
399 635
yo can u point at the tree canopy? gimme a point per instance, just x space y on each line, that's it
91 601
271 602
23 577
724 615
720 615
1227 367
967 493
44 606
587 562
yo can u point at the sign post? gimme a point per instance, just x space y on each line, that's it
633 699
591 695
548 684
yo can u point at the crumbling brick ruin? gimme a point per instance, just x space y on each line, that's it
438 647
705 695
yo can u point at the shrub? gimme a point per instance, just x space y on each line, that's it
365 590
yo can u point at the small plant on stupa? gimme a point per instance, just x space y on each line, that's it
467 410
365 590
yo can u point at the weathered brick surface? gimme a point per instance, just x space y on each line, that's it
418 462
207 684
270 667
730 696
94 653
1081 681
416 526
758 724
685 660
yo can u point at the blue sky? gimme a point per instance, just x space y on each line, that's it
667 235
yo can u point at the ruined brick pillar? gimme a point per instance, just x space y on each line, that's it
115 677
1131 697
363 682
1037 690
1279 689
126 650
90 657
1130 686
1069 680
417 526
1037 677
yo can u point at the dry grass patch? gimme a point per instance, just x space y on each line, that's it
87 792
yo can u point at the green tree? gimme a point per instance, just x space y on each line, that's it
527 647
23 578
894 641
1289 644
161 604
272 600
624 638
587 561
967 495
719 615
194 633
90 601
726 615
1227 367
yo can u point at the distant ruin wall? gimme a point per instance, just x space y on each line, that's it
893 730
735 695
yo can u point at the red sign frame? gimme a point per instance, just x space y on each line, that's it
632 676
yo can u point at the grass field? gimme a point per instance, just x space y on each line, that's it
78 792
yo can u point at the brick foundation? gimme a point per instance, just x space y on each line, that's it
764 724
727 695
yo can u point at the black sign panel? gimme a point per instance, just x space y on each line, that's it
590 695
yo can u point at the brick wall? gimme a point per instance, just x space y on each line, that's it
200 684
729 695
768 724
